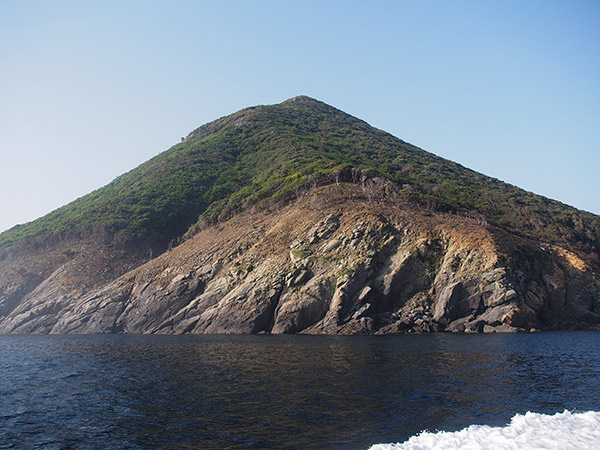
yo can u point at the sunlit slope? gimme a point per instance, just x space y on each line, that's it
270 154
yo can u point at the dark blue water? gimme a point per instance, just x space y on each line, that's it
305 392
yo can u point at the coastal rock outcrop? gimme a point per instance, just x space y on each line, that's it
333 262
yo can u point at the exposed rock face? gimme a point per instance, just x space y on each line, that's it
332 262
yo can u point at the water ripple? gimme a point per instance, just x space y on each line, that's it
191 392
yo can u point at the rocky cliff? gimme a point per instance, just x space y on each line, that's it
310 222
335 261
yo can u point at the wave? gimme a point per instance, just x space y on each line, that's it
561 431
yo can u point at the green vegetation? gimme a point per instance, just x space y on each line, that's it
272 153
345 271
298 254
243 271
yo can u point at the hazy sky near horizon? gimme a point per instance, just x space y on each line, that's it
90 90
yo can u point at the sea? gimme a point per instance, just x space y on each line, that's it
411 391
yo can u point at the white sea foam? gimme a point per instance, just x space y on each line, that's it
561 431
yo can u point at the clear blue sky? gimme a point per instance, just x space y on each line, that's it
89 90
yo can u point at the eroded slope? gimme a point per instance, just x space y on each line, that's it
336 261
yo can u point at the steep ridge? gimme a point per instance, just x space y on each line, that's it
300 218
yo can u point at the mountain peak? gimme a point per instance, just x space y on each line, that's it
301 99
268 153
300 217
309 103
